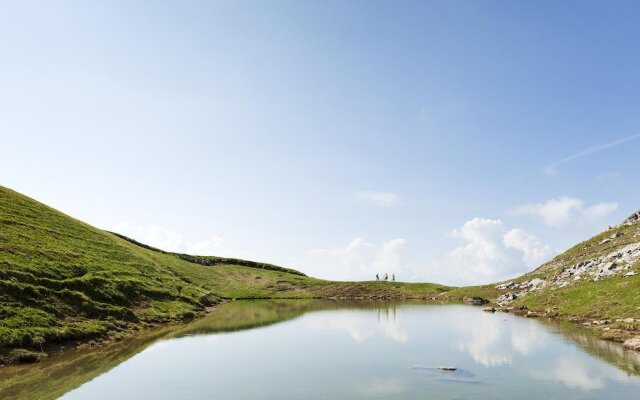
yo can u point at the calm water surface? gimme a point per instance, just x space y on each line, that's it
320 350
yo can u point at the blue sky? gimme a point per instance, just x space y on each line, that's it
456 141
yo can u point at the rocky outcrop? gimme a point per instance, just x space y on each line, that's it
633 218
476 301
506 298
618 262
633 343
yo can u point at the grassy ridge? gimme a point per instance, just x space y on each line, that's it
214 260
62 280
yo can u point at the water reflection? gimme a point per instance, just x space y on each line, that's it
365 349
494 339
382 387
575 373
361 327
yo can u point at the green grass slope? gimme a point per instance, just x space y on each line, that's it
612 301
63 280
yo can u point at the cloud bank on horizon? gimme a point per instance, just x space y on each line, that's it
491 250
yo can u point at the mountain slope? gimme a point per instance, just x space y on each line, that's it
62 280
596 282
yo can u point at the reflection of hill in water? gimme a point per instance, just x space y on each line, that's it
68 370
241 315
613 353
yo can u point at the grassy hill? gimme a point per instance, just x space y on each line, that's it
596 283
62 280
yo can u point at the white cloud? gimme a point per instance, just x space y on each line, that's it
563 211
360 259
533 251
481 259
385 199
599 211
491 253
169 240
388 256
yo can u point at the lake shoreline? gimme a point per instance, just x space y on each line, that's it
606 329
616 333
408 327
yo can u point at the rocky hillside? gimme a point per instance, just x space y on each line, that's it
597 282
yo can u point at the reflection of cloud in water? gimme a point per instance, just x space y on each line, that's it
382 387
570 372
360 326
389 325
575 373
492 341
528 338
356 327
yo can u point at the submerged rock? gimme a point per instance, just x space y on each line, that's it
476 301
424 367
633 343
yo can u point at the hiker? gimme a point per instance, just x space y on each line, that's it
393 277
377 277
386 277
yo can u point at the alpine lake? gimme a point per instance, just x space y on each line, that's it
315 349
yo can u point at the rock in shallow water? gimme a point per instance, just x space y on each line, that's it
478 301
633 343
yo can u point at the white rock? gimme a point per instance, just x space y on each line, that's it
633 344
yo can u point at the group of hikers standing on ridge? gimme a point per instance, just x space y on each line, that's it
386 277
